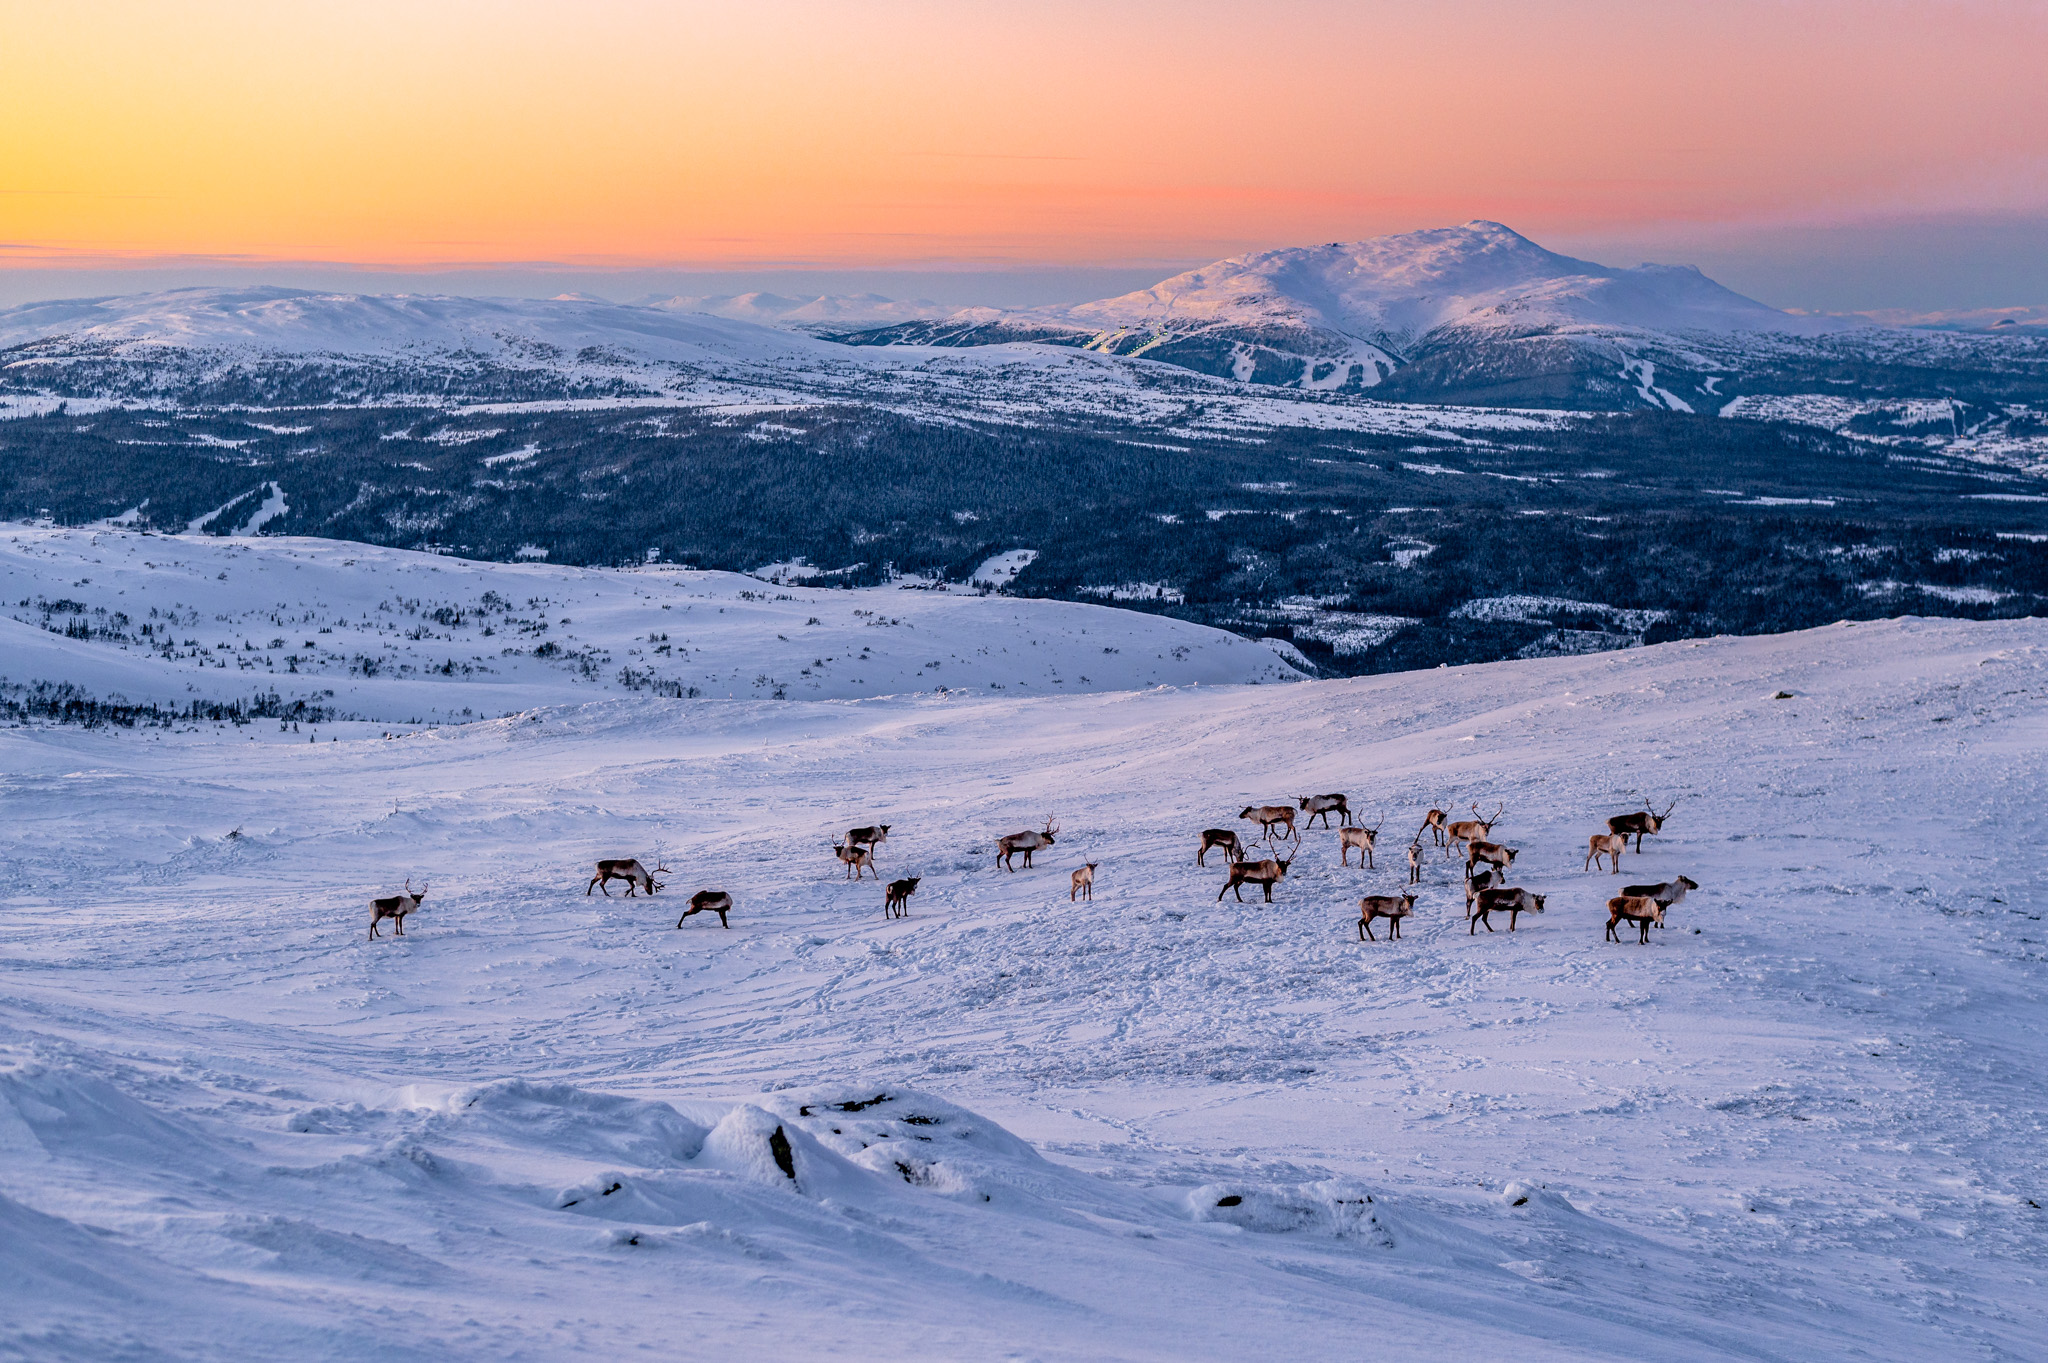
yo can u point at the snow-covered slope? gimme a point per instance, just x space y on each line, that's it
393 635
1392 291
1804 1122
298 322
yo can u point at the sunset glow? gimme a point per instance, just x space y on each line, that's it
898 133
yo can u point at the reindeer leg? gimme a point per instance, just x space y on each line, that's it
1368 858
721 920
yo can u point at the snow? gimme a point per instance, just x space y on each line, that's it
1154 1126
1386 293
1002 569
410 349
394 635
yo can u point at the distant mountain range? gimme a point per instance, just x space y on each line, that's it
1476 315
1481 314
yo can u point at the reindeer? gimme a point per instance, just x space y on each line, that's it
1639 909
636 876
1433 824
1470 830
1610 845
1667 893
1476 852
1319 806
871 838
1415 861
1514 903
395 906
709 901
1223 838
1361 837
1648 821
856 859
1027 843
1267 874
1392 907
897 902
1084 883
1266 816
1492 878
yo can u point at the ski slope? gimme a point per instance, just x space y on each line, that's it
394 635
1804 1122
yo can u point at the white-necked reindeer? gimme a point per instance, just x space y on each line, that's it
1319 806
1027 843
395 906
1392 907
871 837
1474 829
1361 837
1638 824
1084 883
1415 861
636 876
1434 823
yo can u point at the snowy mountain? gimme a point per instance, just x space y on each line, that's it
1801 1122
1477 313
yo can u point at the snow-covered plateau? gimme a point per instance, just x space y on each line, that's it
365 633
1804 1121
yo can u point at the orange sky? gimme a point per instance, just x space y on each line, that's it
893 132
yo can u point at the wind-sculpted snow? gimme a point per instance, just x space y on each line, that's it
359 632
1801 1123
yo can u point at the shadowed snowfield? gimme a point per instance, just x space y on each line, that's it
1806 1121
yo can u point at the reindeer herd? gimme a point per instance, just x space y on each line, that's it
1487 866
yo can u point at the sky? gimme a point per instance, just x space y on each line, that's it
1820 153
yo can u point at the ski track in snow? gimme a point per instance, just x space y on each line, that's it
542 1123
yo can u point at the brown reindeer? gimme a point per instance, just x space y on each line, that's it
1477 851
636 876
1392 907
1638 909
1638 824
1265 874
870 838
1361 837
1609 845
896 903
1434 825
1471 830
1223 838
1514 903
1268 817
395 906
1084 883
1667 892
856 859
1319 806
1027 843
1415 861
709 901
